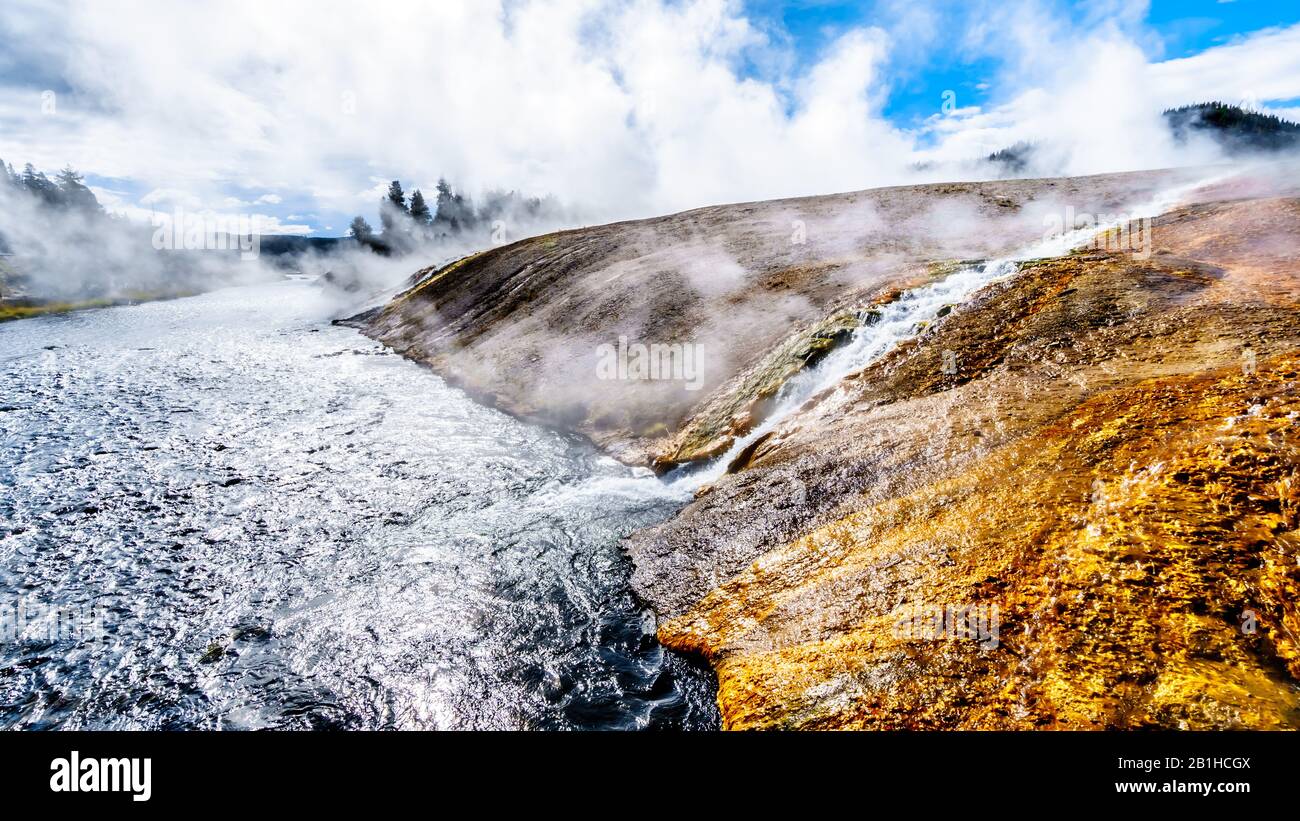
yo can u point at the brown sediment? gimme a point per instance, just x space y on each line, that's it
1113 468
523 323
1110 467
1125 546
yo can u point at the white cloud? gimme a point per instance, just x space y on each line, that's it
623 107
173 198
1264 66
627 108
1097 99
161 203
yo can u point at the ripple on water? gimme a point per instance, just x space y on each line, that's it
286 526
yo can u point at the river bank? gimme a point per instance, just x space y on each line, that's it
1094 453
242 517
11 309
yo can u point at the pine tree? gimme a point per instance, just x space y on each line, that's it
75 194
445 205
38 184
361 231
420 210
395 221
455 211
396 195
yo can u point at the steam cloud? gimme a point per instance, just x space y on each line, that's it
76 253
627 108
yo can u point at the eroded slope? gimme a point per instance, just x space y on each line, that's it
1112 466
521 326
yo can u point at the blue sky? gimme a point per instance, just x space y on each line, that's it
618 109
1181 27
1190 26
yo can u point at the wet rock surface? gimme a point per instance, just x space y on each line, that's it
1112 467
1069 501
520 327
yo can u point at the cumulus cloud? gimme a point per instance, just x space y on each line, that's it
625 108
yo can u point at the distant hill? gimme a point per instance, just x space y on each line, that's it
281 244
1237 130
1013 160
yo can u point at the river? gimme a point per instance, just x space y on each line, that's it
241 517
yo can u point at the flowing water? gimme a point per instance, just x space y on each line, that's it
222 512
236 515
909 315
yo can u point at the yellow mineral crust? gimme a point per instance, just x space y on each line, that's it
1142 554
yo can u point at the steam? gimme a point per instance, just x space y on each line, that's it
727 286
907 316
80 253
627 109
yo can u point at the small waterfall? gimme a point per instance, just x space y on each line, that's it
905 318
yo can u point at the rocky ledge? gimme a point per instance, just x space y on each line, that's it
1069 501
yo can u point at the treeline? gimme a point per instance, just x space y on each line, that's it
1237 131
1234 127
1013 160
407 225
61 245
66 191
